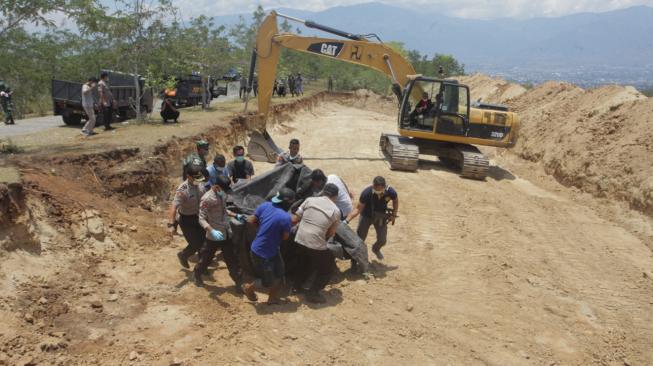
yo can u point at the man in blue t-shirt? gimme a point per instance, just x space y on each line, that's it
373 208
218 168
274 225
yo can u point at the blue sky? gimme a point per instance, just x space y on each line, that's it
476 9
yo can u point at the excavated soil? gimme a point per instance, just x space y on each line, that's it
598 140
517 269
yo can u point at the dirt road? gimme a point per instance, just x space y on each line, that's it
30 125
516 270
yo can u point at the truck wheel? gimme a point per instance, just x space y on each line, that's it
70 118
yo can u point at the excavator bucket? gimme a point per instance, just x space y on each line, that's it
261 147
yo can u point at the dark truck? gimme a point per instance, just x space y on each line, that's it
188 92
67 98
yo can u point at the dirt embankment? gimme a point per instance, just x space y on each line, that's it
598 140
64 225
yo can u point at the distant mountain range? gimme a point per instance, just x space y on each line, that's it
611 41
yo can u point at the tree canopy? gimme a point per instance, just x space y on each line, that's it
151 39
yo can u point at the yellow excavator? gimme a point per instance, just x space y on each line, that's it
435 116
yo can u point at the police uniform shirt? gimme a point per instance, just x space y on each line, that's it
187 198
213 213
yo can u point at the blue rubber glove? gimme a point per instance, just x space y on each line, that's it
241 217
217 235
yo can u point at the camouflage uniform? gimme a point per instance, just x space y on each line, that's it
7 105
194 159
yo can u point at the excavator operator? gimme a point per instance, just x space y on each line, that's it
422 108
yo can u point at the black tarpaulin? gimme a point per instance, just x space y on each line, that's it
246 196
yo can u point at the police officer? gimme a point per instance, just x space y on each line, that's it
187 204
213 217
5 101
197 158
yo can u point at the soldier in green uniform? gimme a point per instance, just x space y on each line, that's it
7 105
197 158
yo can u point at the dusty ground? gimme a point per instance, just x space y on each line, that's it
516 270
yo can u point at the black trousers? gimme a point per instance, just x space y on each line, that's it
107 116
242 91
310 260
193 233
228 253
167 114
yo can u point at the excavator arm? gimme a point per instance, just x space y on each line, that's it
355 49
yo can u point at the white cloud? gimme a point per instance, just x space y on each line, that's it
478 9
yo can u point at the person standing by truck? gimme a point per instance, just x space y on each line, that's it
88 103
106 100
299 84
243 86
7 105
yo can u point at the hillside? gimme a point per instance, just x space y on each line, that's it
599 140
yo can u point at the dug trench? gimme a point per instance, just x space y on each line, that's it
513 270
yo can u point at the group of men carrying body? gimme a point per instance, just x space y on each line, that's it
199 206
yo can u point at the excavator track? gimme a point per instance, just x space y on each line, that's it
401 152
474 164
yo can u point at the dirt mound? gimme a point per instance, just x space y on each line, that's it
597 140
491 90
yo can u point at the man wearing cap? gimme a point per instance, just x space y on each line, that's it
240 168
197 158
187 204
292 155
373 208
274 223
219 167
318 219
213 217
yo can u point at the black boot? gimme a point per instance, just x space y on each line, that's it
197 276
315 297
183 260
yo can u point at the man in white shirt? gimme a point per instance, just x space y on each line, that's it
88 103
318 219
345 196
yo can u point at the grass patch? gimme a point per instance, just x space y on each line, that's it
7 147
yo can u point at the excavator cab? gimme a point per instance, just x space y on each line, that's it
443 107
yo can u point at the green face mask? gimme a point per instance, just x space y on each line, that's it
220 193
240 158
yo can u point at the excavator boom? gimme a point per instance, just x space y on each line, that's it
446 128
356 50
